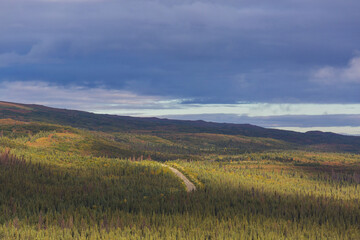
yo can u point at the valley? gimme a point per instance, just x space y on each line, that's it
76 175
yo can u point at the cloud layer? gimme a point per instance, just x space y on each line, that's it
298 117
74 97
204 51
239 61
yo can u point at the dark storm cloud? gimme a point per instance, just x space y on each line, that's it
204 51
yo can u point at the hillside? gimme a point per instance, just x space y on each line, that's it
46 136
165 128
60 179
58 183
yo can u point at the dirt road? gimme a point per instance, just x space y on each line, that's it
189 185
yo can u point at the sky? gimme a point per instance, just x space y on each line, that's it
289 64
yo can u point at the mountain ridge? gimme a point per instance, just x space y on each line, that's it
153 125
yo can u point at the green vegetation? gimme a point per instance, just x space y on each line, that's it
60 182
237 138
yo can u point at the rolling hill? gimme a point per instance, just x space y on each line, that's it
187 132
75 175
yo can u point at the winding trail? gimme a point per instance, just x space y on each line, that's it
189 185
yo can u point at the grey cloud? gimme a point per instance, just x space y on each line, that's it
208 51
74 97
178 24
39 52
332 75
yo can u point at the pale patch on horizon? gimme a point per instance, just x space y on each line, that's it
73 97
345 130
123 102
248 109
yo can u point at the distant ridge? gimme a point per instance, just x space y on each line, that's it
114 123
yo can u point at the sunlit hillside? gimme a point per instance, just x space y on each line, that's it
63 181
